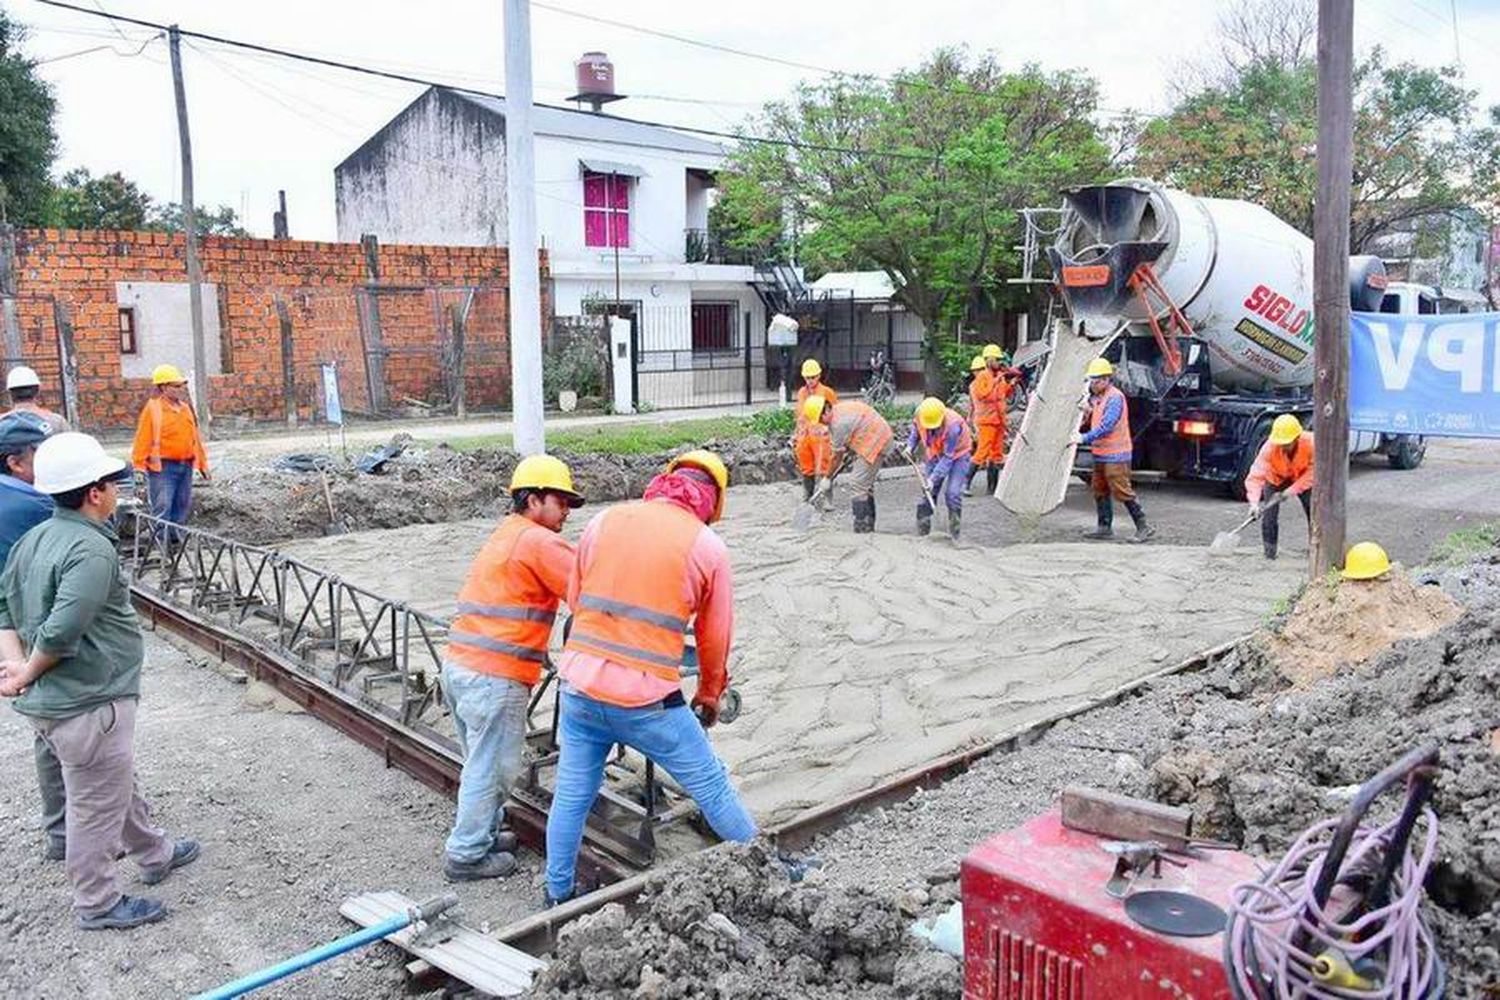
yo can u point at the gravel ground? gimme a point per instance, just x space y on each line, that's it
293 819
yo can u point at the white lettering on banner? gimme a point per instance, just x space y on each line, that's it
1459 348
1396 366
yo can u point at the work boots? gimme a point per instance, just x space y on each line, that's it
809 487
864 514
992 477
1143 531
954 518
924 517
969 482
1105 509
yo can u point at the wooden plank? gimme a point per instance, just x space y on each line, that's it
486 964
1107 814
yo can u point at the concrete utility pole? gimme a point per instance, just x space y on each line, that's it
190 231
527 432
1331 282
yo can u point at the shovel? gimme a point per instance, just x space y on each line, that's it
922 482
332 527
1225 542
802 519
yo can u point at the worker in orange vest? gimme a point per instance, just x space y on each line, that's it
810 439
1107 434
947 447
1284 464
989 395
861 436
168 446
496 649
645 572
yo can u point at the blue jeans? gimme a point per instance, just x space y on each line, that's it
170 491
672 737
951 487
489 715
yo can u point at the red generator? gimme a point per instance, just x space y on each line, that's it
1039 923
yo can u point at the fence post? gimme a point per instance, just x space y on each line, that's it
746 329
460 312
369 326
288 369
68 357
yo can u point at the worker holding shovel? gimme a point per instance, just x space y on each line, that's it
1108 437
947 448
1284 464
810 438
861 437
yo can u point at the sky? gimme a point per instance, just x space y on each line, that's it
260 123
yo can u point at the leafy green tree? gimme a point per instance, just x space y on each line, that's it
920 176
83 201
28 141
221 221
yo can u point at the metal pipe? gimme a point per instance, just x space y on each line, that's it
322 953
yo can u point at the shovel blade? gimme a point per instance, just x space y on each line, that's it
803 518
1225 542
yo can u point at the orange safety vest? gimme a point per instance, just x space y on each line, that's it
870 435
1117 441
632 608
504 615
186 444
988 393
1281 470
932 440
802 394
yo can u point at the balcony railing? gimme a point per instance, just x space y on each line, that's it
701 246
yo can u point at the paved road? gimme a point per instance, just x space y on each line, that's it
1457 486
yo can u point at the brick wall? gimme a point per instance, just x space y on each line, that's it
322 285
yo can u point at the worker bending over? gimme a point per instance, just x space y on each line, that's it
644 572
1284 464
860 436
168 446
947 448
1106 431
989 395
810 439
496 648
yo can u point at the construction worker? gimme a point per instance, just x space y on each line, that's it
860 436
644 572
70 655
1284 464
1106 431
168 446
810 439
496 648
947 447
989 393
23 507
25 387
1365 561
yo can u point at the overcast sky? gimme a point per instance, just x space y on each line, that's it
259 123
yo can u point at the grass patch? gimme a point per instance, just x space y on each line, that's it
1465 543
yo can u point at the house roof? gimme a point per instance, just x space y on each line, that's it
599 127
863 284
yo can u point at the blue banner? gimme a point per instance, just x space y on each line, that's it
1436 375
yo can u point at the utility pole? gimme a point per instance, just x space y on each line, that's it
527 432
190 232
1331 282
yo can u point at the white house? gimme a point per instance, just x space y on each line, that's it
622 209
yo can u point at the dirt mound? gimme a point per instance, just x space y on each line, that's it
1347 622
263 504
732 924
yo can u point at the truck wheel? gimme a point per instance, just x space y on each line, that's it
1408 452
1257 438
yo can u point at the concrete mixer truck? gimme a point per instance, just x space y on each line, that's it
1205 306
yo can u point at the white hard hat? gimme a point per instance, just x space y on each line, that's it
69 460
21 377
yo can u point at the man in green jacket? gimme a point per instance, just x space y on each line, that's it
70 654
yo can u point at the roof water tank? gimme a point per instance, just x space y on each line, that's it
594 74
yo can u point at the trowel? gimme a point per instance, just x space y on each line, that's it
1225 542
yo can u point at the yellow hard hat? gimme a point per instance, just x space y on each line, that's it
166 375
713 465
543 472
812 410
930 412
1285 429
811 368
1366 561
976 364
991 351
1099 368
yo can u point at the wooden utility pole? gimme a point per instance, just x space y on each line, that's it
190 232
1331 282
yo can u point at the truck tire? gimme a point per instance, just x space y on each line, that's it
1407 452
1257 438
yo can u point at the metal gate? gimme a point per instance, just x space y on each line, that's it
704 354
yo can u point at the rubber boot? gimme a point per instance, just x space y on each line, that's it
969 483
864 519
1268 549
992 477
870 512
1143 531
924 517
1105 509
955 518
809 487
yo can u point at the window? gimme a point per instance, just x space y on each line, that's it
606 210
713 326
127 332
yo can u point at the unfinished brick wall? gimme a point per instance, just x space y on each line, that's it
326 290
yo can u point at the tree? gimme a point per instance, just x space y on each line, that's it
1253 33
82 201
920 176
222 221
28 141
